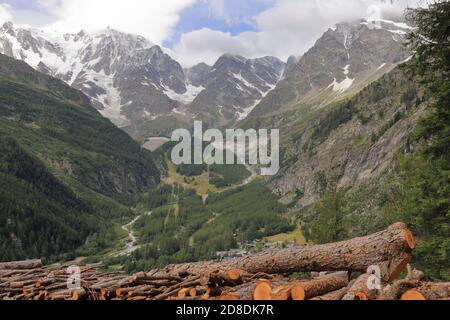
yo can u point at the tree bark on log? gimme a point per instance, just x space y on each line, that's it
335 295
242 292
232 277
282 293
383 249
428 291
21 265
395 290
317 287
360 290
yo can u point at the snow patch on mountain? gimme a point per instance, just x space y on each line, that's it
242 115
191 93
241 79
345 84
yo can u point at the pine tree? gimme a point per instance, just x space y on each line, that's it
330 224
426 175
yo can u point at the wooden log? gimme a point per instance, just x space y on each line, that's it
395 290
319 286
20 265
282 293
21 284
136 277
229 296
198 291
336 295
18 278
138 298
80 294
164 277
30 294
42 295
263 291
428 291
172 291
392 268
232 277
390 249
120 282
130 290
60 295
44 282
157 283
244 292
188 299
9 273
56 286
360 290
108 293
183 293
148 292
332 296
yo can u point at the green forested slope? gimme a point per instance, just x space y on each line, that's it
63 166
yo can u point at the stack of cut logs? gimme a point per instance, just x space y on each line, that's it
264 276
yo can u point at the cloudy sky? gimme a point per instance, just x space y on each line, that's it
201 30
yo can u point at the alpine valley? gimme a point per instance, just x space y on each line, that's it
79 111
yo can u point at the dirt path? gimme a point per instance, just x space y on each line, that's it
247 181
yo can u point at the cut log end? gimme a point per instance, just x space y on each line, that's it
234 275
183 293
413 295
78 295
262 291
399 268
361 296
119 292
298 293
410 241
193 292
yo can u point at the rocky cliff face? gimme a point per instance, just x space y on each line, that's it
344 109
355 140
235 85
346 58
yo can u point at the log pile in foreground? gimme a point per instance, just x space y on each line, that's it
264 276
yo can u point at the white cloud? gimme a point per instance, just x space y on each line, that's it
152 19
287 27
5 13
290 27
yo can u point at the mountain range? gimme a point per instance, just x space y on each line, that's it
344 108
133 82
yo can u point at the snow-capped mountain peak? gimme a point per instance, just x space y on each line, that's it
129 79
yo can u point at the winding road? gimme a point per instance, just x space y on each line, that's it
247 181
131 241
